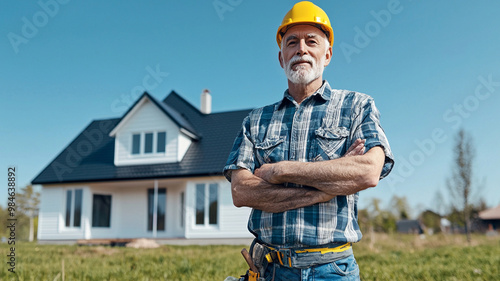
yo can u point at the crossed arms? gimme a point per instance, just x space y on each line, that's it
264 190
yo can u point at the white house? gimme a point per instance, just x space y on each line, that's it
156 172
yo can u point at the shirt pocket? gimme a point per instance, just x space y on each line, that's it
330 142
270 150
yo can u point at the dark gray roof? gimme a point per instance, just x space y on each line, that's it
90 156
409 226
175 116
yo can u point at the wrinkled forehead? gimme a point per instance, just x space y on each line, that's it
303 31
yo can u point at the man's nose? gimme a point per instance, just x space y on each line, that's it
302 48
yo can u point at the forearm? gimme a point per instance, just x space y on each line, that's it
343 176
251 191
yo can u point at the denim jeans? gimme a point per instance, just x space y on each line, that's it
343 269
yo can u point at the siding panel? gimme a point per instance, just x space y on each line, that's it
149 118
51 206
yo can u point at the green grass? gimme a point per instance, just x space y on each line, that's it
44 262
388 257
435 258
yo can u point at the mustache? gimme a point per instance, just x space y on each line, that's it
305 58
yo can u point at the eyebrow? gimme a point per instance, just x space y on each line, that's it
293 36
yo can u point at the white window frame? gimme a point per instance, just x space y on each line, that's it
142 146
110 212
155 212
183 208
72 211
206 219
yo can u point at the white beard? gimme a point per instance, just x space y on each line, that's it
301 75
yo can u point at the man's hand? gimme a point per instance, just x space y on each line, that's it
357 148
269 172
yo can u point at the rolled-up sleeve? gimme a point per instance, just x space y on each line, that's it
367 126
242 153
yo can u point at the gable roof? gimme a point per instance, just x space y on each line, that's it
90 156
170 112
490 214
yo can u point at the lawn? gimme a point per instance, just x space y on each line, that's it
440 257
386 257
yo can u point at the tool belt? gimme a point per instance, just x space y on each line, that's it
251 276
262 255
253 273
300 257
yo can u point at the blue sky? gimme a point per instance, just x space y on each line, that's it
432 67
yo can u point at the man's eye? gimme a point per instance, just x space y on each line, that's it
313 42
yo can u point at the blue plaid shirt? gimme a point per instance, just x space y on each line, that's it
321 128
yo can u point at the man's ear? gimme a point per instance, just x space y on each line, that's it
280 58
328 56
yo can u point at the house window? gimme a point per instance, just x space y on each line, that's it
73 207
160 209
206 204
149 143
212 204
136 143
182 209
161 142
200 204
101 210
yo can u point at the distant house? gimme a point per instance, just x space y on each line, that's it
491 219
409 227
155 173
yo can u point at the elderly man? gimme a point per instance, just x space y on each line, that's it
301 162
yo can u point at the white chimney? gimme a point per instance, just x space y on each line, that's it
206 102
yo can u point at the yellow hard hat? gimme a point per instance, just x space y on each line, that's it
307 13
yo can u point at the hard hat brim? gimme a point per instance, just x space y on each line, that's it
328 31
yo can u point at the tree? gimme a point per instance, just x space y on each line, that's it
374 219
400 207
27 202
3 218
439 204
381 220
431 220
460 182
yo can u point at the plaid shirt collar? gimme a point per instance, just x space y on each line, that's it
324 92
